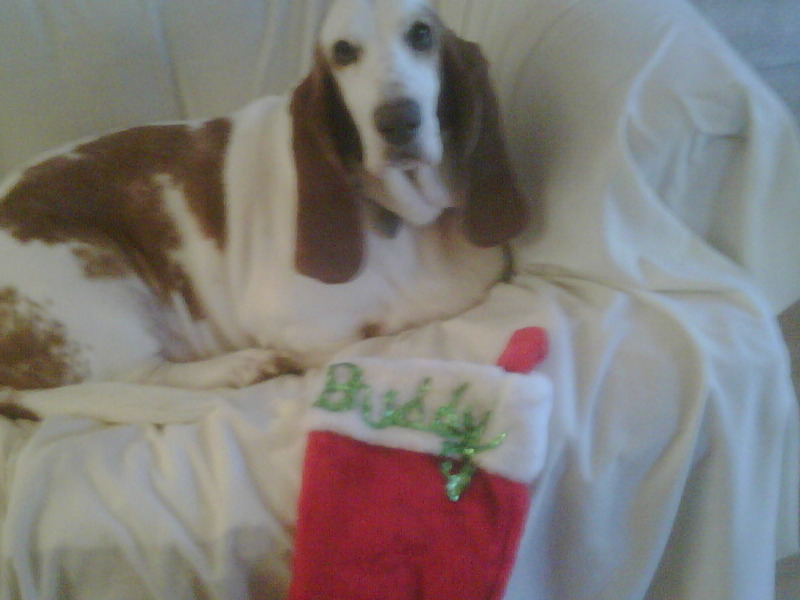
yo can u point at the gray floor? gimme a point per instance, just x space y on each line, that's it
790 322
789 579
789 570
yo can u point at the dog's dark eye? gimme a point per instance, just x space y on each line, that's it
420 37
345 53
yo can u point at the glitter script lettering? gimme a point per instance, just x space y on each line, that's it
459 428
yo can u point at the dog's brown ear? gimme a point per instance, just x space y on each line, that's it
329 243
495 209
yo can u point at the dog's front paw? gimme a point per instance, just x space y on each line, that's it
246 367
235 370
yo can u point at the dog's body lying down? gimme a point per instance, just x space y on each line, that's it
376 197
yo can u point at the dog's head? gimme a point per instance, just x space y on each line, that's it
393 92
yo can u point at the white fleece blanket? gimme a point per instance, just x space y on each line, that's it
668 178
671 450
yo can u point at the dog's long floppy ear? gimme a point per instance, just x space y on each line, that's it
329 243
495 209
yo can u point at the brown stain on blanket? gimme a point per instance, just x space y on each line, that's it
106 194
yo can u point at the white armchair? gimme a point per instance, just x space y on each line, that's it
664 176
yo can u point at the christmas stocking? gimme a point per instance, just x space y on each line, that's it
416 476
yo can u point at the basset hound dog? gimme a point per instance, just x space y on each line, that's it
375 197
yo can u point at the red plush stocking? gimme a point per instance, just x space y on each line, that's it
416 475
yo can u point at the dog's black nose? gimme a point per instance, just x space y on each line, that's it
398 121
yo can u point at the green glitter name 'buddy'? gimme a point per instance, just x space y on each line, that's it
460 430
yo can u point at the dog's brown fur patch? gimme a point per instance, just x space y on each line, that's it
106 195
34 349
15 412
371 330
101 263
